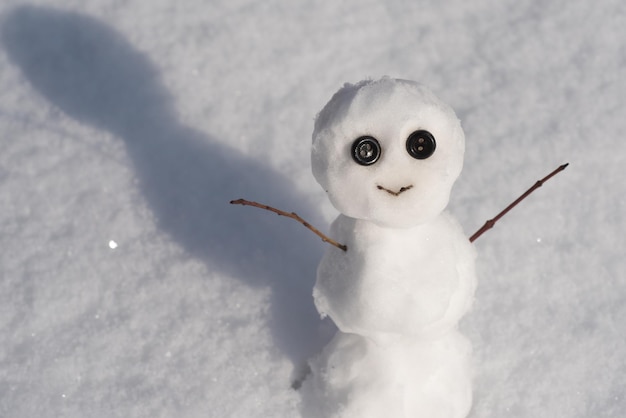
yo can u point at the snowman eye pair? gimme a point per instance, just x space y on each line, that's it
420 145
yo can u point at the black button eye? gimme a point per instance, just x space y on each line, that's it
421 144
365 150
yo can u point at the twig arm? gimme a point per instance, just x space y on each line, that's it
291 215
491 222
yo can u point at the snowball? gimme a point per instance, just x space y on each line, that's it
388 110
396 282
357 378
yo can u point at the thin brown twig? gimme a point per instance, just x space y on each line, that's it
291 215
490 223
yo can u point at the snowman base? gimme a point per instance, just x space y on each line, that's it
356 377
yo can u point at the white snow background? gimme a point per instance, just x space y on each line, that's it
130 287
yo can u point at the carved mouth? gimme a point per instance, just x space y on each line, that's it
402 189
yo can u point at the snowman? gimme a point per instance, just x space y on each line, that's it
387 153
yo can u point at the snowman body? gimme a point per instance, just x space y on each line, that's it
397 352
387 153
396 282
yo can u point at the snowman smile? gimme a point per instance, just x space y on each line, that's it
402 189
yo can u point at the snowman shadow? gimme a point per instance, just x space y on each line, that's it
188 178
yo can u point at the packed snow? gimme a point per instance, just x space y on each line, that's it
387 112
129 286
388 152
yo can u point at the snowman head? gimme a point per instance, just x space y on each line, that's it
387 151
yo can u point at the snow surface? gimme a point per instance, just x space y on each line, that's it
135 122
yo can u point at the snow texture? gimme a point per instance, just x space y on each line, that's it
136 121
407 277
388 111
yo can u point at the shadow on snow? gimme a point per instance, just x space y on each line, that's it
94 75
